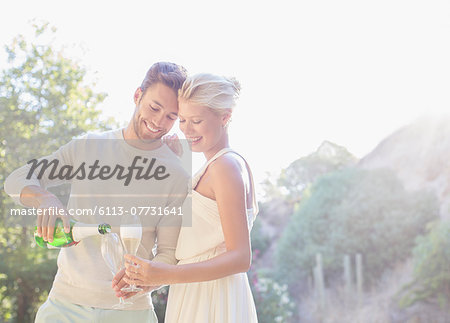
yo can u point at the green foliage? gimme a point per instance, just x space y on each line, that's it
431 281
272 300
26 275
304 171
44 103
348 212
260 241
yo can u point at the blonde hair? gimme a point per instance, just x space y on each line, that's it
216 92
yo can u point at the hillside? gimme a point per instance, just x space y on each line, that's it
419 154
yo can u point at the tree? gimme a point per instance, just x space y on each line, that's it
44 103
431 281
348 212
300 174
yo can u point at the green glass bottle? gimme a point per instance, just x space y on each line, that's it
78 231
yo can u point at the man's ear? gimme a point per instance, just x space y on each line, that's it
137 96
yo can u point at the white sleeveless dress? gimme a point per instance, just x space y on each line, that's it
225 300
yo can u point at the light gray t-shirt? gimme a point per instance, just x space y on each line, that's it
83 277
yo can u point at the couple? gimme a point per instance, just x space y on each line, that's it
205 263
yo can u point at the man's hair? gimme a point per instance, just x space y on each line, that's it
169 74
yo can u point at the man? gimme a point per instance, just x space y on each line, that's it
141 174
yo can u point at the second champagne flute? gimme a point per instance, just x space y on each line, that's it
131 235
112 252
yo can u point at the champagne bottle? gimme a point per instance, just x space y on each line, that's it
77 232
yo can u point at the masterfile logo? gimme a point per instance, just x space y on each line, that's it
105 172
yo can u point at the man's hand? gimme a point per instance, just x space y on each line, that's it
118 283
51 208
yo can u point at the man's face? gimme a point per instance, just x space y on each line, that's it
156 111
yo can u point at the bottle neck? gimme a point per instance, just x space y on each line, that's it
84 230
104 228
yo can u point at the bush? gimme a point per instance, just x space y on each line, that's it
260 240
431 281
348 212
272 300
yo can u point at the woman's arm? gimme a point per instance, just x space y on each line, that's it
229 189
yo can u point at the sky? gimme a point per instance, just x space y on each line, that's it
351 72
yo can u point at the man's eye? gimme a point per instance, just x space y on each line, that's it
181 120
196 122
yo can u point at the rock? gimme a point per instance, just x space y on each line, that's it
419 154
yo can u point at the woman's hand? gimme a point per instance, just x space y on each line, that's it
118 283
174 144
146 272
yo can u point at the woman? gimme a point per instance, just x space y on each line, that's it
210 283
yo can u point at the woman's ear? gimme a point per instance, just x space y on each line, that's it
226 118
137 95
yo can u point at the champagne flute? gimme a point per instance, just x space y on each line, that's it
131 235
112 252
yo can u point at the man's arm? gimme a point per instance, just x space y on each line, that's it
26 189
169 226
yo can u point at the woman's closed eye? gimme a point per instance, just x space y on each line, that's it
154 109
193 121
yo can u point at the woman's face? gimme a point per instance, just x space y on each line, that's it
203 128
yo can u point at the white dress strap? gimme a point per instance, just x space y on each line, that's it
202 170
221 152
254 207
